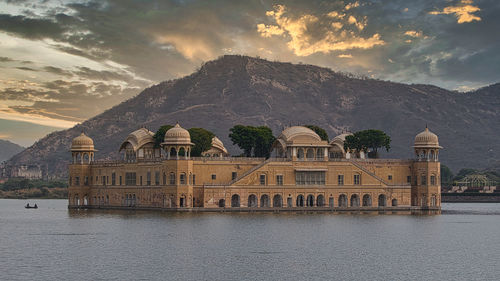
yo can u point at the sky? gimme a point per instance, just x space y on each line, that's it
62 62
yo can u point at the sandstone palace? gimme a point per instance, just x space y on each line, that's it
304 172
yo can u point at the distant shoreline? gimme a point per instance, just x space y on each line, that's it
36 193
470 197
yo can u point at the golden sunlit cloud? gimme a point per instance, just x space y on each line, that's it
9 114
269 30
347 56
359 24
414 33
352 5
191 47
302 43
463 11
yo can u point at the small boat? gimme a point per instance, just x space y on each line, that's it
31 207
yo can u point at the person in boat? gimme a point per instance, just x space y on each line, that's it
28 205
36 206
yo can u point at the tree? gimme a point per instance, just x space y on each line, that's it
368 141
243 137
256 141
202 140
263 141
160 134
320 131
446 176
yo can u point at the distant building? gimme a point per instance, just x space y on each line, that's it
27 172
475 183
303 172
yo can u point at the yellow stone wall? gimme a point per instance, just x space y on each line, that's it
207 192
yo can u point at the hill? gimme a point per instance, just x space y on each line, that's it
8 149
244 90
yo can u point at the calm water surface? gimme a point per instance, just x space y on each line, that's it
52 243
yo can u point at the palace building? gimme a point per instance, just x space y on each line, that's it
303 172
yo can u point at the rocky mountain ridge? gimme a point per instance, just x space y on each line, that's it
244 90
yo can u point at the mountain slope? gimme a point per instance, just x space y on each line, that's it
8 149
244 90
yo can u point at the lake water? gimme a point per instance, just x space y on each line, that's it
53 243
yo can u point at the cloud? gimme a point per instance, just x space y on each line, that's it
413 33
26 68
5 59
463 11
347 56
302 40
58 71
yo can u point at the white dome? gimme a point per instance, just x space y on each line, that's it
426 139
82 143
177 135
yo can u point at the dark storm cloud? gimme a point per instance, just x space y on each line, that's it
26 68
58 71
31 28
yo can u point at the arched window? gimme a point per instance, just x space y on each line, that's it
164 179
182 151
310 200
172 178
381 200
264 201
222 203
354 200
300 153
173 152
235 201
343 201
277 201
320 201
182 178
252 201
367 200
300 201
310 154
394 202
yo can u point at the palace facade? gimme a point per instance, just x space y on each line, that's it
303 172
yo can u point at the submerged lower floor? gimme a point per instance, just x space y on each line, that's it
224 198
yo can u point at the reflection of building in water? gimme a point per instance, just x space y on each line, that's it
303 172
475 183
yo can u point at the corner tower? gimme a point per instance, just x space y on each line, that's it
82 152
179 167
426 183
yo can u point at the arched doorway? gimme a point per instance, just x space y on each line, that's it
300 201
330 202
252 201
289 202
235 201
381 200
354 200
222 203
310 200
394 202
85 200
182 202
343 201
277 201
367 200
264 201
320 201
